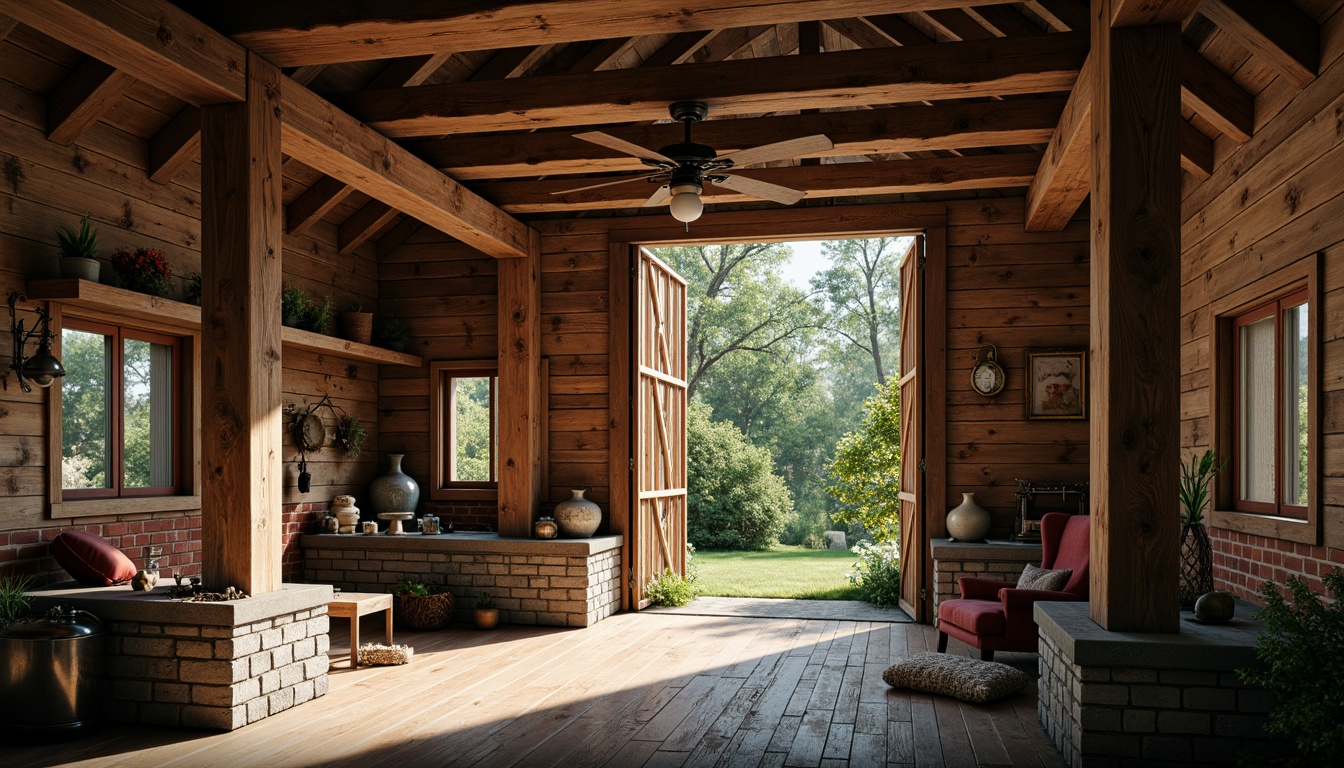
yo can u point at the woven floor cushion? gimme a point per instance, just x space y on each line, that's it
978 682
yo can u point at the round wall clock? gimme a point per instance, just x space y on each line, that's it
987 377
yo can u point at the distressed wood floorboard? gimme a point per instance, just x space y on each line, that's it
634 690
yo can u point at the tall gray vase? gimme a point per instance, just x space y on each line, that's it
395 491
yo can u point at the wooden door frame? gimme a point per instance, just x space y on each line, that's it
783 225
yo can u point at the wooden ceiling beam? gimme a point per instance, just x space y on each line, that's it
316 202
175 145
7 25
408 70
397 235
1004 20
1216 97
364 224
1196 151
1139 13
286 33
677 49
1072 15
83 98
957 24
320 135
937 174
1065 175
149 40
996 67
860 32
859 132
898 29
1285 37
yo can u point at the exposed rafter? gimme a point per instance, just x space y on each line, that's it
289 33
1137 13
1065 176
317 201
1286 38
364 224
1216 97
996 67
83 98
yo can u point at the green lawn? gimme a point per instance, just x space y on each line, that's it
781 571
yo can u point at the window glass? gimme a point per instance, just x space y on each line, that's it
1256 434
147 416
472 433
85 397
1295 405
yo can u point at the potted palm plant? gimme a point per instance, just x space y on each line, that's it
1196 550
79 251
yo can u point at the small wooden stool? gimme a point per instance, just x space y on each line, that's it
352 605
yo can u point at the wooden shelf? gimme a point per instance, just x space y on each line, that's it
121 303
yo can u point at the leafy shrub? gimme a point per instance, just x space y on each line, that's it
867 467
1300 649
735 501
814 541
877 574
670 589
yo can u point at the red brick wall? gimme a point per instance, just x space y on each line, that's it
1242 562
29 552
464 515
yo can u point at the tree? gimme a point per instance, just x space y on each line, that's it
734 501
867 467
737 302
862 291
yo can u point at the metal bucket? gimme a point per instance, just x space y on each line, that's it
51 674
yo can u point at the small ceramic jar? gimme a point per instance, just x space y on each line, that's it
429 524
545 528
368 527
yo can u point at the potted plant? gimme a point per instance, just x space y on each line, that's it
319 316
356 324
417 605
294 306
79 251
192 293
394 333
349 435
14 601
144 270
1196 550
486 614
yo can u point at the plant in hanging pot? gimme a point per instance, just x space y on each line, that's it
417 605
144 270
393 334
486 614
294 306
1196 550
79 251
356 325
349 435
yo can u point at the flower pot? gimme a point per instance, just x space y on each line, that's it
395 491
291 321
577 517
968 521
80 268
423 613
1196 563
486 618
356 326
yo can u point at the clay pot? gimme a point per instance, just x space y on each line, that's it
347 514
577 517
968 521
486 618
356 326
80 268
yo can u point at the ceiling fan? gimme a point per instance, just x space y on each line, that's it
683 168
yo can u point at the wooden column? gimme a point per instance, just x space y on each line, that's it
1135 291
519 398
240 337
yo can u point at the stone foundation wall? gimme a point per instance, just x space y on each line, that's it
567 583
1161 704
190 664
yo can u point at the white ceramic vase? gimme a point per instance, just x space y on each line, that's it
968 521
577 517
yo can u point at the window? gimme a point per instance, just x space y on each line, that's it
465 440
1272 407
1263 411
120 431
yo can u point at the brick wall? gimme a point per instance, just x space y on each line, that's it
1243 561
952 560
464 515
29 552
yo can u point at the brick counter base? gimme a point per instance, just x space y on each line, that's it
561 582
999 560
207 665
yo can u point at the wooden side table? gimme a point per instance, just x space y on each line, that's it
352 605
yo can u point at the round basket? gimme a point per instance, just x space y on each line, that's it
432 612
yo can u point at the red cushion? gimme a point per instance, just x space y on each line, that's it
981 617
91 559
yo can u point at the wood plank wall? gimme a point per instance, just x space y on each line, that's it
1269 203
1020 291
103 174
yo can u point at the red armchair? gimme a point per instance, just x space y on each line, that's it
996 615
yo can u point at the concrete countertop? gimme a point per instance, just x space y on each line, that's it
472 543
124 604
1197 646
993 549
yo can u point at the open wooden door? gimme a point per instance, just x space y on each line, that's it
912 455
657 534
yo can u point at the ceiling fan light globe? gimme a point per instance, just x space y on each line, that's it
686 205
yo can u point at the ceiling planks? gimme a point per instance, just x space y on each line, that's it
995 67
286 33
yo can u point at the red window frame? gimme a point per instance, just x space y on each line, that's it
116 405
1274 308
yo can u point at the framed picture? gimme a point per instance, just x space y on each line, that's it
1057 384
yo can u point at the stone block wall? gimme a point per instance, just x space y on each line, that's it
1161 704
987 560
566 583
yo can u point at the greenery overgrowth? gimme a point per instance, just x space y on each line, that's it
319 316
80 243
294 303
877 573
349 435
408 586
670 589
485 601
1196 476
1300 654
394 330
735 501
867 467
14 602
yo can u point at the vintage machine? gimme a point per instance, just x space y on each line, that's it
1035 499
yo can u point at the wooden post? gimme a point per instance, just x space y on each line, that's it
519 405
240 337
1136 364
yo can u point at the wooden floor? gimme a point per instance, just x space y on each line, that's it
637 689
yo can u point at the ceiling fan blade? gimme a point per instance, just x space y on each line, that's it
626 180
762 189
780 150
659 197
621 145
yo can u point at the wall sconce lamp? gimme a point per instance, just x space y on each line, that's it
42 368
